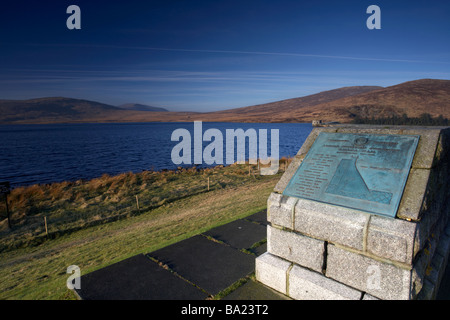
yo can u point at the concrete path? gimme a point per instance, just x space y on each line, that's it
193 269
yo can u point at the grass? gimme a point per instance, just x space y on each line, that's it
233 287
72 206
33 269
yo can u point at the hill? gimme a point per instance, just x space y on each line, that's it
141 107
63 110
412 98
54 109
283 111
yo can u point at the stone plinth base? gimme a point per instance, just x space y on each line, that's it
322 251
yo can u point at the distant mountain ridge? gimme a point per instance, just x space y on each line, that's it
412 98
53 109
287 110
141 107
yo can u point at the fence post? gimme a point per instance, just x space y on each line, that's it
7 211
5 189
137 204
45 224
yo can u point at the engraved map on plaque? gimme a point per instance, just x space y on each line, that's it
361 171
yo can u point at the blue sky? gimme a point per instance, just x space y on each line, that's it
213 55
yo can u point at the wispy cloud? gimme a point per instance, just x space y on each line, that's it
200 81
160 76
234 52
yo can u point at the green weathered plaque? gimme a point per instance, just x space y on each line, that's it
361 171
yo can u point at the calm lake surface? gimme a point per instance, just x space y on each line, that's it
32 154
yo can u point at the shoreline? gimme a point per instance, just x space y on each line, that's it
179 169
143 122
70 206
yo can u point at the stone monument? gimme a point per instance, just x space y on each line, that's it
361 213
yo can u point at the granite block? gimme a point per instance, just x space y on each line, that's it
331 223
424 157
289 173
369 297
272 271
309 285
305 251
382 280
312 137
414 194
444 245
428 291
280 210
391 239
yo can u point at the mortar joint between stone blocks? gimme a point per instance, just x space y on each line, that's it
293 215
325 257
400 265
366 232
288 271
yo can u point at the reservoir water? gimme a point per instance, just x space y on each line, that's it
31 154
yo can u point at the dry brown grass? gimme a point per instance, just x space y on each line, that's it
71 206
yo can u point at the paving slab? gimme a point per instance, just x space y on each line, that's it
209 265
259 250
259 217
136 278
240 234
253 290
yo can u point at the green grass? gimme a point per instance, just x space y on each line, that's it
72 206
233 287
38 270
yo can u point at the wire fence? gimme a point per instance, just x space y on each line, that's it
50 211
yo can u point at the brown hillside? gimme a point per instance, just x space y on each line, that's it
413 98
68 110
279 111
270 112
343 104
